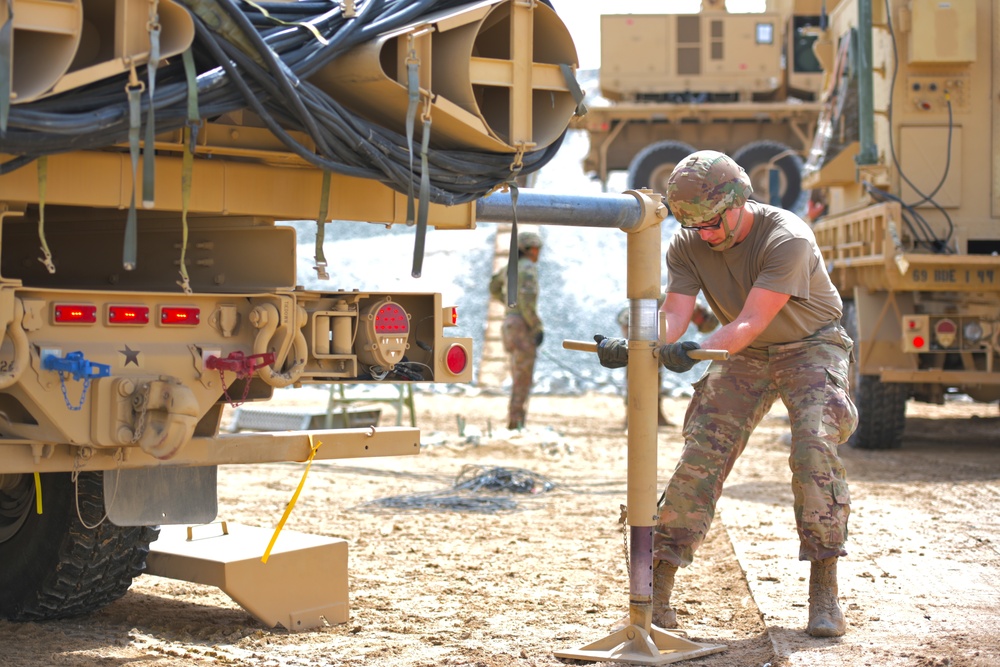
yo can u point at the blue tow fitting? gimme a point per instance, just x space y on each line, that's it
75 364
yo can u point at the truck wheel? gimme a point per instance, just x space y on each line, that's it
754 157
52 565
881 414
652 166
881 406
849 320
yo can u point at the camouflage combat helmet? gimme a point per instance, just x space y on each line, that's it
704 185
527 240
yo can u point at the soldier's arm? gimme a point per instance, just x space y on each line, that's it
758 312
528 301
677 310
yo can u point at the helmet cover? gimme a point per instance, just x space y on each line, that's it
528 239
704 185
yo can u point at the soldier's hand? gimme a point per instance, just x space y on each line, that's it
674 356
539 337
612 352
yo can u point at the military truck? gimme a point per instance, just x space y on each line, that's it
148 151
744 84
906 167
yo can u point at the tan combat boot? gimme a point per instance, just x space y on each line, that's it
664 615
825 617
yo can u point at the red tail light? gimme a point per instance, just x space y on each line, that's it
67 313
391 319
456 359
128 315
175 315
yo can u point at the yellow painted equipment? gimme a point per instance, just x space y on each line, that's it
905 172
228 556
148 151
743 84
486 93
58 45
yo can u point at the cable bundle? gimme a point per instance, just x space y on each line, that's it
259 56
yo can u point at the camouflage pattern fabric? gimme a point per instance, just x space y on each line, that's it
519 342
527 294
704 185
520 329
810 377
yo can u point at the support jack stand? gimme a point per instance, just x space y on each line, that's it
635 646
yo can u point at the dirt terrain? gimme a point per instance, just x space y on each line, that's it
507 579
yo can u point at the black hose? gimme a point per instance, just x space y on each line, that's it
272 82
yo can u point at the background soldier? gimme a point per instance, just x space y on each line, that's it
522 329
702 318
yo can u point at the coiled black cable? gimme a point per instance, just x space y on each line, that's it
272 81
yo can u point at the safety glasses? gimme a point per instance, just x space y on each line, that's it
709 227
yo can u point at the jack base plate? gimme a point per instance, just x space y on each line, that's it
635 646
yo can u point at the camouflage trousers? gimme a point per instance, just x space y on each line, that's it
810 377
519 343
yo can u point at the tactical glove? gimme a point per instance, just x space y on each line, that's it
674 356
612 352
539 337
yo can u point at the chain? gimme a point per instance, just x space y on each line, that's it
246 387
140 402
83 396
623 520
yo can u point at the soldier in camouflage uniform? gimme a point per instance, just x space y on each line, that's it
522 329
763 275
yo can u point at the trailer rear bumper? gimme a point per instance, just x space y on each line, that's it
24 456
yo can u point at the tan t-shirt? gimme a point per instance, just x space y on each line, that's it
780 254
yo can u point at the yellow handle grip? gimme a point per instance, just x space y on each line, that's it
699 354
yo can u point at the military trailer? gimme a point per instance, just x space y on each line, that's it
744 84
906 166
148 150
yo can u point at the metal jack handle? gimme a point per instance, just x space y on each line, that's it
700 354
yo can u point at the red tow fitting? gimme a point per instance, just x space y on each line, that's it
239 363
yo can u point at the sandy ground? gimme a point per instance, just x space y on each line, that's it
534 574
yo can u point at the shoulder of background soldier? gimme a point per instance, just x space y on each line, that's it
704 319
527 265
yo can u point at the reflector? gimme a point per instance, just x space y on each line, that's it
179 315
128 315
64 313
456 359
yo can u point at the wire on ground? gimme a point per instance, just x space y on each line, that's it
470 482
